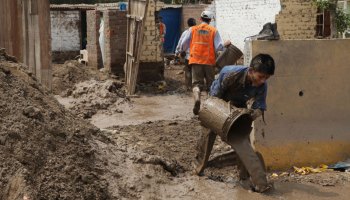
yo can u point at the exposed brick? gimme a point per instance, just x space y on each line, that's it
93 47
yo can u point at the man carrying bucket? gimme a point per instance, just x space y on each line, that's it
238 85
203 41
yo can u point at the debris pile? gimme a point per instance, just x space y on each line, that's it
92 96
66 75
45 152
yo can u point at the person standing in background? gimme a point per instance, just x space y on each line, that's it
186 54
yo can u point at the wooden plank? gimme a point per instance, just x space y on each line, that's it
45 43
137 13
27 34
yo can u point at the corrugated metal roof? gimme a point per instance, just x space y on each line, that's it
72 6
99 6
171 6
105 6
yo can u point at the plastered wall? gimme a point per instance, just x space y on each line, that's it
65 30
307 119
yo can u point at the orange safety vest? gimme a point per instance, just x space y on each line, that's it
202 49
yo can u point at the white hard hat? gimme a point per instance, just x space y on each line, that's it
207 14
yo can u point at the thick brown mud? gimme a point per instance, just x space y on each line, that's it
48 152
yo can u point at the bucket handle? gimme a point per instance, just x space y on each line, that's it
229 106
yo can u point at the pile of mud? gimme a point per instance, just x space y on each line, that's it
92 96
65 76
45 152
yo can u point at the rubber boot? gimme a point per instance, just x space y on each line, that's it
250 160
276 35
266 33
188 76
197 100
204 147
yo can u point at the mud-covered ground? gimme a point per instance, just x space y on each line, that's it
155 137
159 155
45 150
143 149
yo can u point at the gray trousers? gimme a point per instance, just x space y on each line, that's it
250 163
202 75
188 75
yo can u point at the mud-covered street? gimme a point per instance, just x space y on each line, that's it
109 100
148 148
143 148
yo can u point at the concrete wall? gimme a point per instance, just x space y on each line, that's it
308 103
93 46
297 19
115 40
65 30
238 19
65 34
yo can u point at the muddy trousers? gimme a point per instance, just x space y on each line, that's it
188 75
250 163
201 74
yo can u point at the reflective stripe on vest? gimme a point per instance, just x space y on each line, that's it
202 50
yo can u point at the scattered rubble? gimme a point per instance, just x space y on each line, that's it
92 96
66 75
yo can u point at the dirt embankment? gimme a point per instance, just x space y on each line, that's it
45 151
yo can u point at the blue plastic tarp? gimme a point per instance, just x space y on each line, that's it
172 20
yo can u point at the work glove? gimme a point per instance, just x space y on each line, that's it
255 113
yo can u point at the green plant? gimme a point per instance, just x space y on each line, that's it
322 4
342 21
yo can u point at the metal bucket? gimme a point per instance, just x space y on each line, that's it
229 57
223 118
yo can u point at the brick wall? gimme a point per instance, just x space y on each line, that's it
65 34
151 51
151 66
93 47
297 20
115 24
193 11
238 19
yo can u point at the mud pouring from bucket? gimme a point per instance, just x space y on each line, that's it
234 125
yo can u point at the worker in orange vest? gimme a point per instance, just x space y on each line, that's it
203 41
